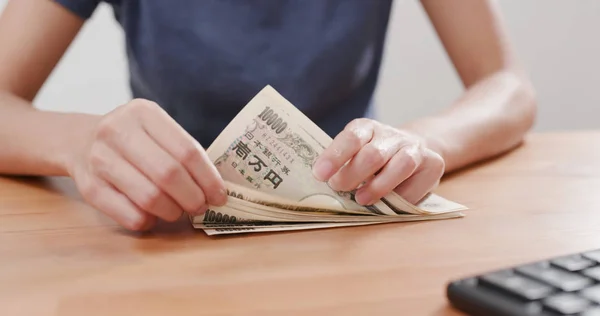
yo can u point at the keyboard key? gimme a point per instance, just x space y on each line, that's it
594 255
594 311
573 263
592 293
567 303
519 285
469 281
566 281
593 273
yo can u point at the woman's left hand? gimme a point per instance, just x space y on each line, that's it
382 157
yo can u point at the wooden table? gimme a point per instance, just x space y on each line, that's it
58 256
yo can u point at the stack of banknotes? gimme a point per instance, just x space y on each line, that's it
266 154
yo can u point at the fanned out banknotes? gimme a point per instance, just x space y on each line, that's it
266 154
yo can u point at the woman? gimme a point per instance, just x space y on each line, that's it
194 64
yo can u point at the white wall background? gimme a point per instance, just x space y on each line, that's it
558 42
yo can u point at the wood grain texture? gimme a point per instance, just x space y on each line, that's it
59 256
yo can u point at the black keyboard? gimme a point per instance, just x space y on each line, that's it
566 285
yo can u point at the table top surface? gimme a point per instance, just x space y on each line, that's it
58 256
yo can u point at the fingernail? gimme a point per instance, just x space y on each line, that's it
322 169
201 210
334 183
364 197
222 197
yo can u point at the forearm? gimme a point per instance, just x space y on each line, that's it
490 118
34 142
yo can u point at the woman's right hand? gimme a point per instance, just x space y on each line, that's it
136 164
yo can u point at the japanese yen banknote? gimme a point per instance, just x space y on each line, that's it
266 154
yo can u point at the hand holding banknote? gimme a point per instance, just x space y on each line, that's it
271 157
136 164
379 159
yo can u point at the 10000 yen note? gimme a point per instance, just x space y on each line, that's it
244 216
254 196
241 211
225 226
266 154
270 146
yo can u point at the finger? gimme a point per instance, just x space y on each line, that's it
186 150
115 205
343 147
162 169
399 168
370 159
424 180
114 169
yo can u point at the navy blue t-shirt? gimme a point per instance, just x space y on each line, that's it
203 60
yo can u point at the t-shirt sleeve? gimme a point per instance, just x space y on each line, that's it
82 8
